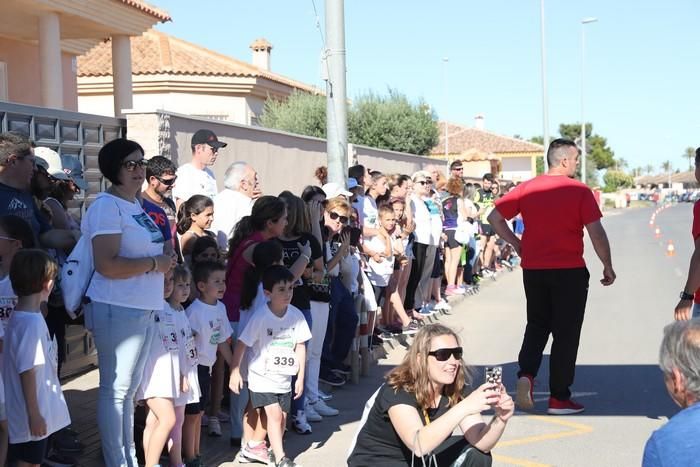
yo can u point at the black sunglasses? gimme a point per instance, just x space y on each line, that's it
457 168
336 216
131 165
442 355
166 181
425 182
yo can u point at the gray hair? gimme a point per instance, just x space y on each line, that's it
234 175
680 349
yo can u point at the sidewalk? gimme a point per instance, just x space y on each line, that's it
326 446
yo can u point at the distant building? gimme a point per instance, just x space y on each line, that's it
171 74
483 151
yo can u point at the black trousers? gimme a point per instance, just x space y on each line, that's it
556 303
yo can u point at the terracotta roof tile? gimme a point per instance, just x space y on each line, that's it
146 8
155 52
463 139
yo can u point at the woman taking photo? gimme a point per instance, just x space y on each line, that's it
125 289
423 401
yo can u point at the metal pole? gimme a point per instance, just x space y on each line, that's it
584 22
545 105
444 91
336 97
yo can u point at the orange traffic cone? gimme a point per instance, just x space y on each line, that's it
657 233
670 249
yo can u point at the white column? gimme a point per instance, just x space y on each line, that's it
50 60
121 74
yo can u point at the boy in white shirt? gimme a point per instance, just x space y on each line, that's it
275 336
212 331
34 400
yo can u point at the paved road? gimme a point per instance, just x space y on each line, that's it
617 375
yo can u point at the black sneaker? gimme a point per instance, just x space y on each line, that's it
342 369
411 329
56 459
332 379
287 462
63 441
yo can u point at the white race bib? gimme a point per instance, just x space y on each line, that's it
282 361
191 351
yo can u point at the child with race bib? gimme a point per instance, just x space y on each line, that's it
181 433
35 402
212 331
274 337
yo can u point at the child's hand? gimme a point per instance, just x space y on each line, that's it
235 382
298 388
184 384
37 424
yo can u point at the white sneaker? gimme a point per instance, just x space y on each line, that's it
323 409
323 396
442 305
311 414
300 424
214 427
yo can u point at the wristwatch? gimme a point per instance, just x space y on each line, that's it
687 296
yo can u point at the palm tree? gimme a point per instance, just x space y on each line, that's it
690 155
649 169
667 166
637 171
621 164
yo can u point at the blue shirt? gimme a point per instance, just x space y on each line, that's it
677 442
159 217
21 204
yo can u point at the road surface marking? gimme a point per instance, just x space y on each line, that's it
514 461
577 429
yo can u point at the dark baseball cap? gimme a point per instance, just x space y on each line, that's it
207 137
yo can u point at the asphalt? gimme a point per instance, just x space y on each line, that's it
617 376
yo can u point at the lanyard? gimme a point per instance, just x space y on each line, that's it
425 415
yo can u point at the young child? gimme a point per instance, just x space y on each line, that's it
183 433
275 337
212 331
35 401
193 219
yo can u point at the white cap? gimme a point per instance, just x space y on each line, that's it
333 190
54 162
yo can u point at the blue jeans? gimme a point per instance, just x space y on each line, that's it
298 404
122 338
342 324
237 402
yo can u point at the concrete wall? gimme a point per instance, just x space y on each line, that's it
284 161
517 169
23 81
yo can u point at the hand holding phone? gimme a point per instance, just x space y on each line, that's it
493 376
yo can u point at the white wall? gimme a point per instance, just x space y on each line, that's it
517 169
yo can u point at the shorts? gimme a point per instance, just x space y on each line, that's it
31 452
261 399
451 241
204 376
487 230
438 265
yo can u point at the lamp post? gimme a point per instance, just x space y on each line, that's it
444 92
545 111
584 22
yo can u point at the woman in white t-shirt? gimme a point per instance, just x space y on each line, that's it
369 217
127 286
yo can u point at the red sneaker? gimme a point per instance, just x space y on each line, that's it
523 393
567 407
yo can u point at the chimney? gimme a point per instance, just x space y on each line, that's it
479 121
261 53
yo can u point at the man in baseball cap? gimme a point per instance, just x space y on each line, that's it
195 177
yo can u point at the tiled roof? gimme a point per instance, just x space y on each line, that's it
155 52
463 138
146 8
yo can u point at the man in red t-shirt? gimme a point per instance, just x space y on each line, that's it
690 295
555 209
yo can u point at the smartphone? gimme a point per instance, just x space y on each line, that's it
354 234
493 375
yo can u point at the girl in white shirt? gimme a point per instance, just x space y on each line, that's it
194 218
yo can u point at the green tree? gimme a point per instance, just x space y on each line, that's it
690 155
301 113
596 145
649 169
387 122
616 179
621 164
393 122
667 166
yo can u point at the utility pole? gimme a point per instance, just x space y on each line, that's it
545 102
336 98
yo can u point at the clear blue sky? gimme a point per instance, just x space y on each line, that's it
642 60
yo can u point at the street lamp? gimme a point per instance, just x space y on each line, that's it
584 22
444 92
545 112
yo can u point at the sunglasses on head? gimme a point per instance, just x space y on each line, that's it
166 181
131 165
336 216
442 355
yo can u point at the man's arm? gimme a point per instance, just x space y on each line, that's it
59 239
499 224
602 248
684 307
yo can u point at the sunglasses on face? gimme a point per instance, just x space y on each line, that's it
425 182
336 216
130 166
459 169
442 355
166 181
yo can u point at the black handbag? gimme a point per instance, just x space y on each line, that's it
319 292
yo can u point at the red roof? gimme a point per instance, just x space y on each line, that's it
462 139
146 8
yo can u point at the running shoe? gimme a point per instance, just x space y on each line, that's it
321 408
257 453
324 396
300 424
311 414
411 328
523 392
332 379
214 426
567 407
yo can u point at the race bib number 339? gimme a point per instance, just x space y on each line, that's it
282 361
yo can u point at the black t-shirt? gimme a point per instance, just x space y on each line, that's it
290 253
378 443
